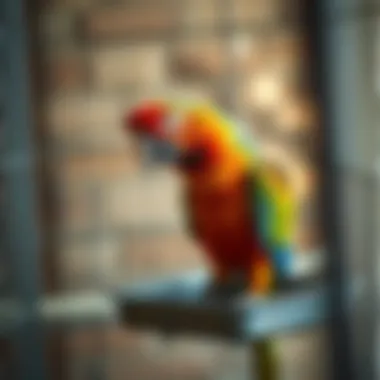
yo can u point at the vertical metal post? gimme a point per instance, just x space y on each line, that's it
22 243
319 26
368 317
264 360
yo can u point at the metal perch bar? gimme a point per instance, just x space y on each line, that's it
75 309
183 306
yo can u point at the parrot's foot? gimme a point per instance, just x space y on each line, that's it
262 279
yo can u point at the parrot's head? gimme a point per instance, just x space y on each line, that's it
174 133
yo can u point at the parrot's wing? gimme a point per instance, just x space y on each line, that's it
273 214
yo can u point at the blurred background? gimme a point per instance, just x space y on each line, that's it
111 214
106 218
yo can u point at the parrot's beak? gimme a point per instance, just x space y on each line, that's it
164 152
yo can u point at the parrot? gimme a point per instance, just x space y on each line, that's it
239 207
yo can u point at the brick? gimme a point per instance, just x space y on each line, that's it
58 27
125 355
76 268
132 355
106 261
66 71
141 20
188 370
97 140
93 121
75 207
248 50
120 197
296 114
266 13
297 355
287 45
262 11
89 265
120 338
200 13
99 168
120 67
198 60
76 111
84 188
86 353
292 13
286 53
189 90
112 342
148 257
196 359
73 4
149 199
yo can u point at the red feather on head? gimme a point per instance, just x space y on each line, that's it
147 119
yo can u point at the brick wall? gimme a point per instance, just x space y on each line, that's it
119 354
100 56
